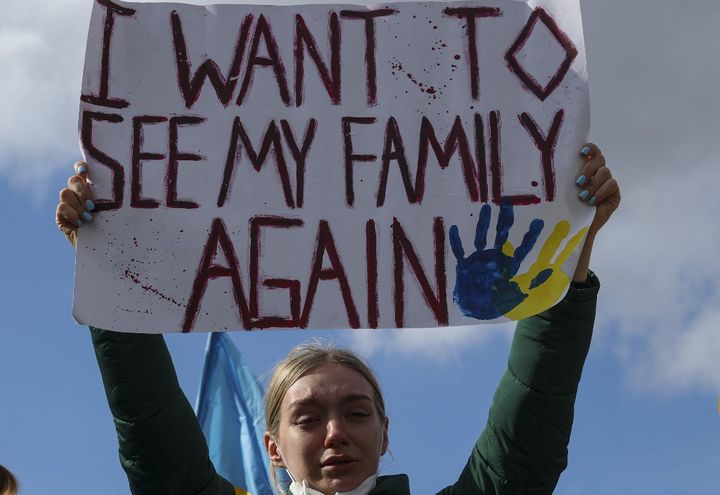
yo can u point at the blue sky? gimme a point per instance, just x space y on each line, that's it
647 412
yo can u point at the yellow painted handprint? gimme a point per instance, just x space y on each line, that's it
545 282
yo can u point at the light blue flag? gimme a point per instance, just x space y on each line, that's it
230 410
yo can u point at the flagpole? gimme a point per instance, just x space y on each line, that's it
208 363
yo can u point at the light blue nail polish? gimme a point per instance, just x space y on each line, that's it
78 223
89 218
585 151
581 180
583 195
90 205
592 201
81 169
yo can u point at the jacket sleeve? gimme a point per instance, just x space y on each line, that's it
161 445
523 448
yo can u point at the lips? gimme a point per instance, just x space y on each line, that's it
337 461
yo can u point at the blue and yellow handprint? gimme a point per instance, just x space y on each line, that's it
545 281
487 284
484 286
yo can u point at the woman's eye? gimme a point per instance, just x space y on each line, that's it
305 420
359 414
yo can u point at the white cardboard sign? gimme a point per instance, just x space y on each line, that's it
319 166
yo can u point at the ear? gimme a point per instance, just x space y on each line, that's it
271 447
385 439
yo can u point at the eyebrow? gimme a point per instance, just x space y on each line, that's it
310 401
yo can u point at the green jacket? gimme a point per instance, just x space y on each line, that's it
522 450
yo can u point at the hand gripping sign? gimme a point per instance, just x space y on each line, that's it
315 166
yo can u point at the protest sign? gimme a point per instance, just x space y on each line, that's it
322 166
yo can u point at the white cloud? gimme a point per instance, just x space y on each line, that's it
440 345
658 262
685 357
41 51
655 113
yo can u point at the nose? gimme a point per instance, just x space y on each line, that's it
335 433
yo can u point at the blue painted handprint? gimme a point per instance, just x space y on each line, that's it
483 287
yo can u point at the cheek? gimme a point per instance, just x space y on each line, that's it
372 438
298 446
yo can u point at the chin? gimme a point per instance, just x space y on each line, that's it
343 484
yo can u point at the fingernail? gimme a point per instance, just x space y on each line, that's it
583 195
78 223
585 151
90 204
592 201
81 169
89 218
581 180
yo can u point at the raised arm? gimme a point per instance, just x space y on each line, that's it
161 445
523 448
598 188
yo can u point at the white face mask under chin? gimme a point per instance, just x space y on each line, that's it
301 488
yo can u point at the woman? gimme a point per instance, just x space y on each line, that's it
8 483
326 422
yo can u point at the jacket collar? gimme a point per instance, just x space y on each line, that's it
396 484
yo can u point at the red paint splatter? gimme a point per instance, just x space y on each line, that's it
135 278
424 88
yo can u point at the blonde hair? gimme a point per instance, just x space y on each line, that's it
301 361
8 484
